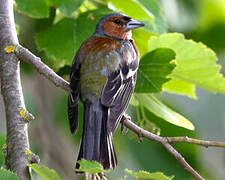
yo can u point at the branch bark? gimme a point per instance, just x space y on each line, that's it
27 56
11 90
199 142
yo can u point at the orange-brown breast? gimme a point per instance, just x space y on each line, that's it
99 44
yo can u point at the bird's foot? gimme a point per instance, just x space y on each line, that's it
124 118
102 176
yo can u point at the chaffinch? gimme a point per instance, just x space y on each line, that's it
103 77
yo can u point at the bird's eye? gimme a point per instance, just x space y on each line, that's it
117 21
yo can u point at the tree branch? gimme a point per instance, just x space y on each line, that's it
163 140
11 90
199 142
24 54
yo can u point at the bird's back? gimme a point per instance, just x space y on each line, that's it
98 63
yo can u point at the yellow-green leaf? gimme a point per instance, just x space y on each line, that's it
180 87
148 175
133 8
90 166
45 172
195 65
161 110
7 175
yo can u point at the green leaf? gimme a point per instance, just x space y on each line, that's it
45 172
153 70
133 9
195 64
58 41
69 6
90 166
2 142
7 175
180 87
212 12
35 9
54 3
159 109
154 7
87 23
148 175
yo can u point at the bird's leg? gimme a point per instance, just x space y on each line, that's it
124 118
140 139
102 176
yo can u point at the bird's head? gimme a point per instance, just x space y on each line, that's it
117 25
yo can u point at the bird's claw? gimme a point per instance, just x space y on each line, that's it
102 176
124 118
140 139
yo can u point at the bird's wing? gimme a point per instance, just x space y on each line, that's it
120 95
74 95
116 95
119 88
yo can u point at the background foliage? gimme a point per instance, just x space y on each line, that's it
170 63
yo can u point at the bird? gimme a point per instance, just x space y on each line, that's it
103 77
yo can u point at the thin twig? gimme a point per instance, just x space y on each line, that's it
27 56
139 131
195 141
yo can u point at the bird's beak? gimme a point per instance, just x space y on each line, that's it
133 24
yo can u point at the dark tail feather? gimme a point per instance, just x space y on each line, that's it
73 113
96 143
108 156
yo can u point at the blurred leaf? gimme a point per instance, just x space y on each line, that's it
90 166
7 175
195 64
159 109
212 36
2 142
33 8
153 70
148 175
69 6
211 24
154 7
211 12
87 23
133 9
58 41
45 172
54 3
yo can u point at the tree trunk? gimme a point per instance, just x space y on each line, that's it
11 90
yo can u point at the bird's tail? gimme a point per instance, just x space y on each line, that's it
97 143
